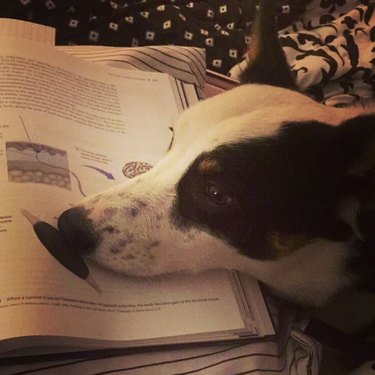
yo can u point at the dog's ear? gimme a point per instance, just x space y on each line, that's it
266 61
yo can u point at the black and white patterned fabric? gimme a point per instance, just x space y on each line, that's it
329 43
331 51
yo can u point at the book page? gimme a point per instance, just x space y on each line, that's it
129 311
27 30
67 129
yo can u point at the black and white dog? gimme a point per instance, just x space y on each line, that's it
261 179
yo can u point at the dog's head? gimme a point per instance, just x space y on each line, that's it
252 176
260 179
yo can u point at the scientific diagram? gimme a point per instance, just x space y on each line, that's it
135 168
34 162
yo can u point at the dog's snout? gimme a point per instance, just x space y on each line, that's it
77 230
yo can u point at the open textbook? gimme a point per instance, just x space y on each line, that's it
70 128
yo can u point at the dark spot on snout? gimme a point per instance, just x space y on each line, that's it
115 250
78 230
134 211
109 212
136 207
110 229
128 257
126 241
152 245
140 203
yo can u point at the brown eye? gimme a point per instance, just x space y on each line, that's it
213 192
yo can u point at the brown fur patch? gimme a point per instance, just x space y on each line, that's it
286 244
208 166
253 48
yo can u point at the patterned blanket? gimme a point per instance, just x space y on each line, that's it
331 50
329 43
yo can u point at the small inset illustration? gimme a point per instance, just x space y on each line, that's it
135 168
34 162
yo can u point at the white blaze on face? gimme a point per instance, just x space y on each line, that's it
139 232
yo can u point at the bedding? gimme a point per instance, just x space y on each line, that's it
328 43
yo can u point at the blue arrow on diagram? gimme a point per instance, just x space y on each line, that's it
109 175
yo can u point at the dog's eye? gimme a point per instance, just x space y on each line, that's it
213 192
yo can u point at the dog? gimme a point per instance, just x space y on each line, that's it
261 179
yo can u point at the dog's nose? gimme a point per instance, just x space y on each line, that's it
77 230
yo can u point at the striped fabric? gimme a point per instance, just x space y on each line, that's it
290 352
187 64
300 356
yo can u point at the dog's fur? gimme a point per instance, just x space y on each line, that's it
261 179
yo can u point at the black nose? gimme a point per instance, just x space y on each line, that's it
78 230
